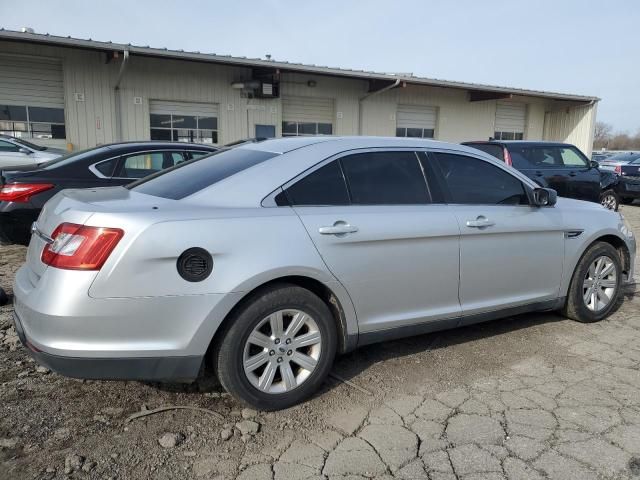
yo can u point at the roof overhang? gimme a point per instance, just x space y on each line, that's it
477 92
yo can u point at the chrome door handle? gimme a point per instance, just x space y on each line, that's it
480 222
338 228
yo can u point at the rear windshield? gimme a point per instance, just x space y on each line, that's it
190 177
625 157
71 158
492 149
28 144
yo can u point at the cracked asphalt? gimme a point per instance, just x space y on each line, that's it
529 397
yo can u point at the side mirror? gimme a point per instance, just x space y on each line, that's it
26 151
594 163
544 197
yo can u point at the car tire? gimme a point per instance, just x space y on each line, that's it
235 350
609 200
627 200
576 306
4 298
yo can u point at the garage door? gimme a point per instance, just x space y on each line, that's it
31 98
511 119
307 116
183 122
416 121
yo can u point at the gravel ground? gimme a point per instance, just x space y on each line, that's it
533 396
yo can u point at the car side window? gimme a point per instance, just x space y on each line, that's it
8 147
571 158
107 167
197 153
472 181
385 178
139 165
325 186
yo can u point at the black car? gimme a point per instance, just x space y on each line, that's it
626 167
24 190
560 166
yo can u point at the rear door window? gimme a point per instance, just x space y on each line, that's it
325 186
385 178
471 181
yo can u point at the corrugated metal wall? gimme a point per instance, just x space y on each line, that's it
573 125
93 121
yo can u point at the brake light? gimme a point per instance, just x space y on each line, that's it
507 157
22 192
80 247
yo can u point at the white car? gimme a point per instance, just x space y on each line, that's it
18 152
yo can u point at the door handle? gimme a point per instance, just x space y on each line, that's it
338 228
480 222
572 174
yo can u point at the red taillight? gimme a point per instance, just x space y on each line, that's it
22 192
80 247
507 157
618 169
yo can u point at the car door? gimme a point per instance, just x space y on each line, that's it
373 220
583 179
13 155
511 253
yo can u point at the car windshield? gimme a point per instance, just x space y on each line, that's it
625 157
28 144
194 175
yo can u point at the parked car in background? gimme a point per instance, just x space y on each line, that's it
267 259
15 151
24 190
626 165
560 166
600 156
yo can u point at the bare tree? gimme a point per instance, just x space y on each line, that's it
602 135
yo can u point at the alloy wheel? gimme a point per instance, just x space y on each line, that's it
600 283
282 351
609 202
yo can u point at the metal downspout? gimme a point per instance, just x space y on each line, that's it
369 95
118 106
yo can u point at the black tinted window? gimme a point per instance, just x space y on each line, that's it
540 157
490 148
385 178
474 181
325 186
107 168
190 177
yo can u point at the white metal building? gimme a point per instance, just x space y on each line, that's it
81 93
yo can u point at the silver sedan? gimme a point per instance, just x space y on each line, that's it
266 260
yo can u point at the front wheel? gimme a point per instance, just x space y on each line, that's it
609 200
595 285
277 349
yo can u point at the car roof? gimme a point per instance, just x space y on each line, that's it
288 144
157 144
521 143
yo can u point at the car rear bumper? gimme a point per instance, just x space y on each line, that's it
184 368
149 338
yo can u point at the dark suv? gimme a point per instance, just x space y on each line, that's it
560 166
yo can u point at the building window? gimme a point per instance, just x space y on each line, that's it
184 128
508 135
299 129
415 132
32 122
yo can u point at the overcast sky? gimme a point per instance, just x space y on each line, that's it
584 47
